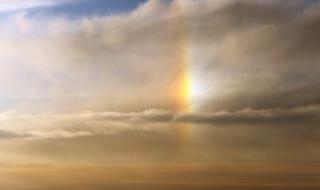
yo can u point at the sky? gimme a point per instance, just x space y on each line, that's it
162 82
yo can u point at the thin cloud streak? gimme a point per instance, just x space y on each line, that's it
18 5
104 123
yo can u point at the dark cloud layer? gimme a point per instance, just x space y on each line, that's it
8 135
267 53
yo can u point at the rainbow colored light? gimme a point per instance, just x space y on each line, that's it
184 85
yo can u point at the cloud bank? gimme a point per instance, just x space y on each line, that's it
255 65
245 54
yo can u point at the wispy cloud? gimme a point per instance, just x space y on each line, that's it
23 5
66 125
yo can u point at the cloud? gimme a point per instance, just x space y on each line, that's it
273 71
128 63
70 125
9 135
255 63
17 5
107 138
139 52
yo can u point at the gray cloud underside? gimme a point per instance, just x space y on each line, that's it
270 53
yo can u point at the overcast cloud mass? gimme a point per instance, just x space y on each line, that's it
95 86
159 94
